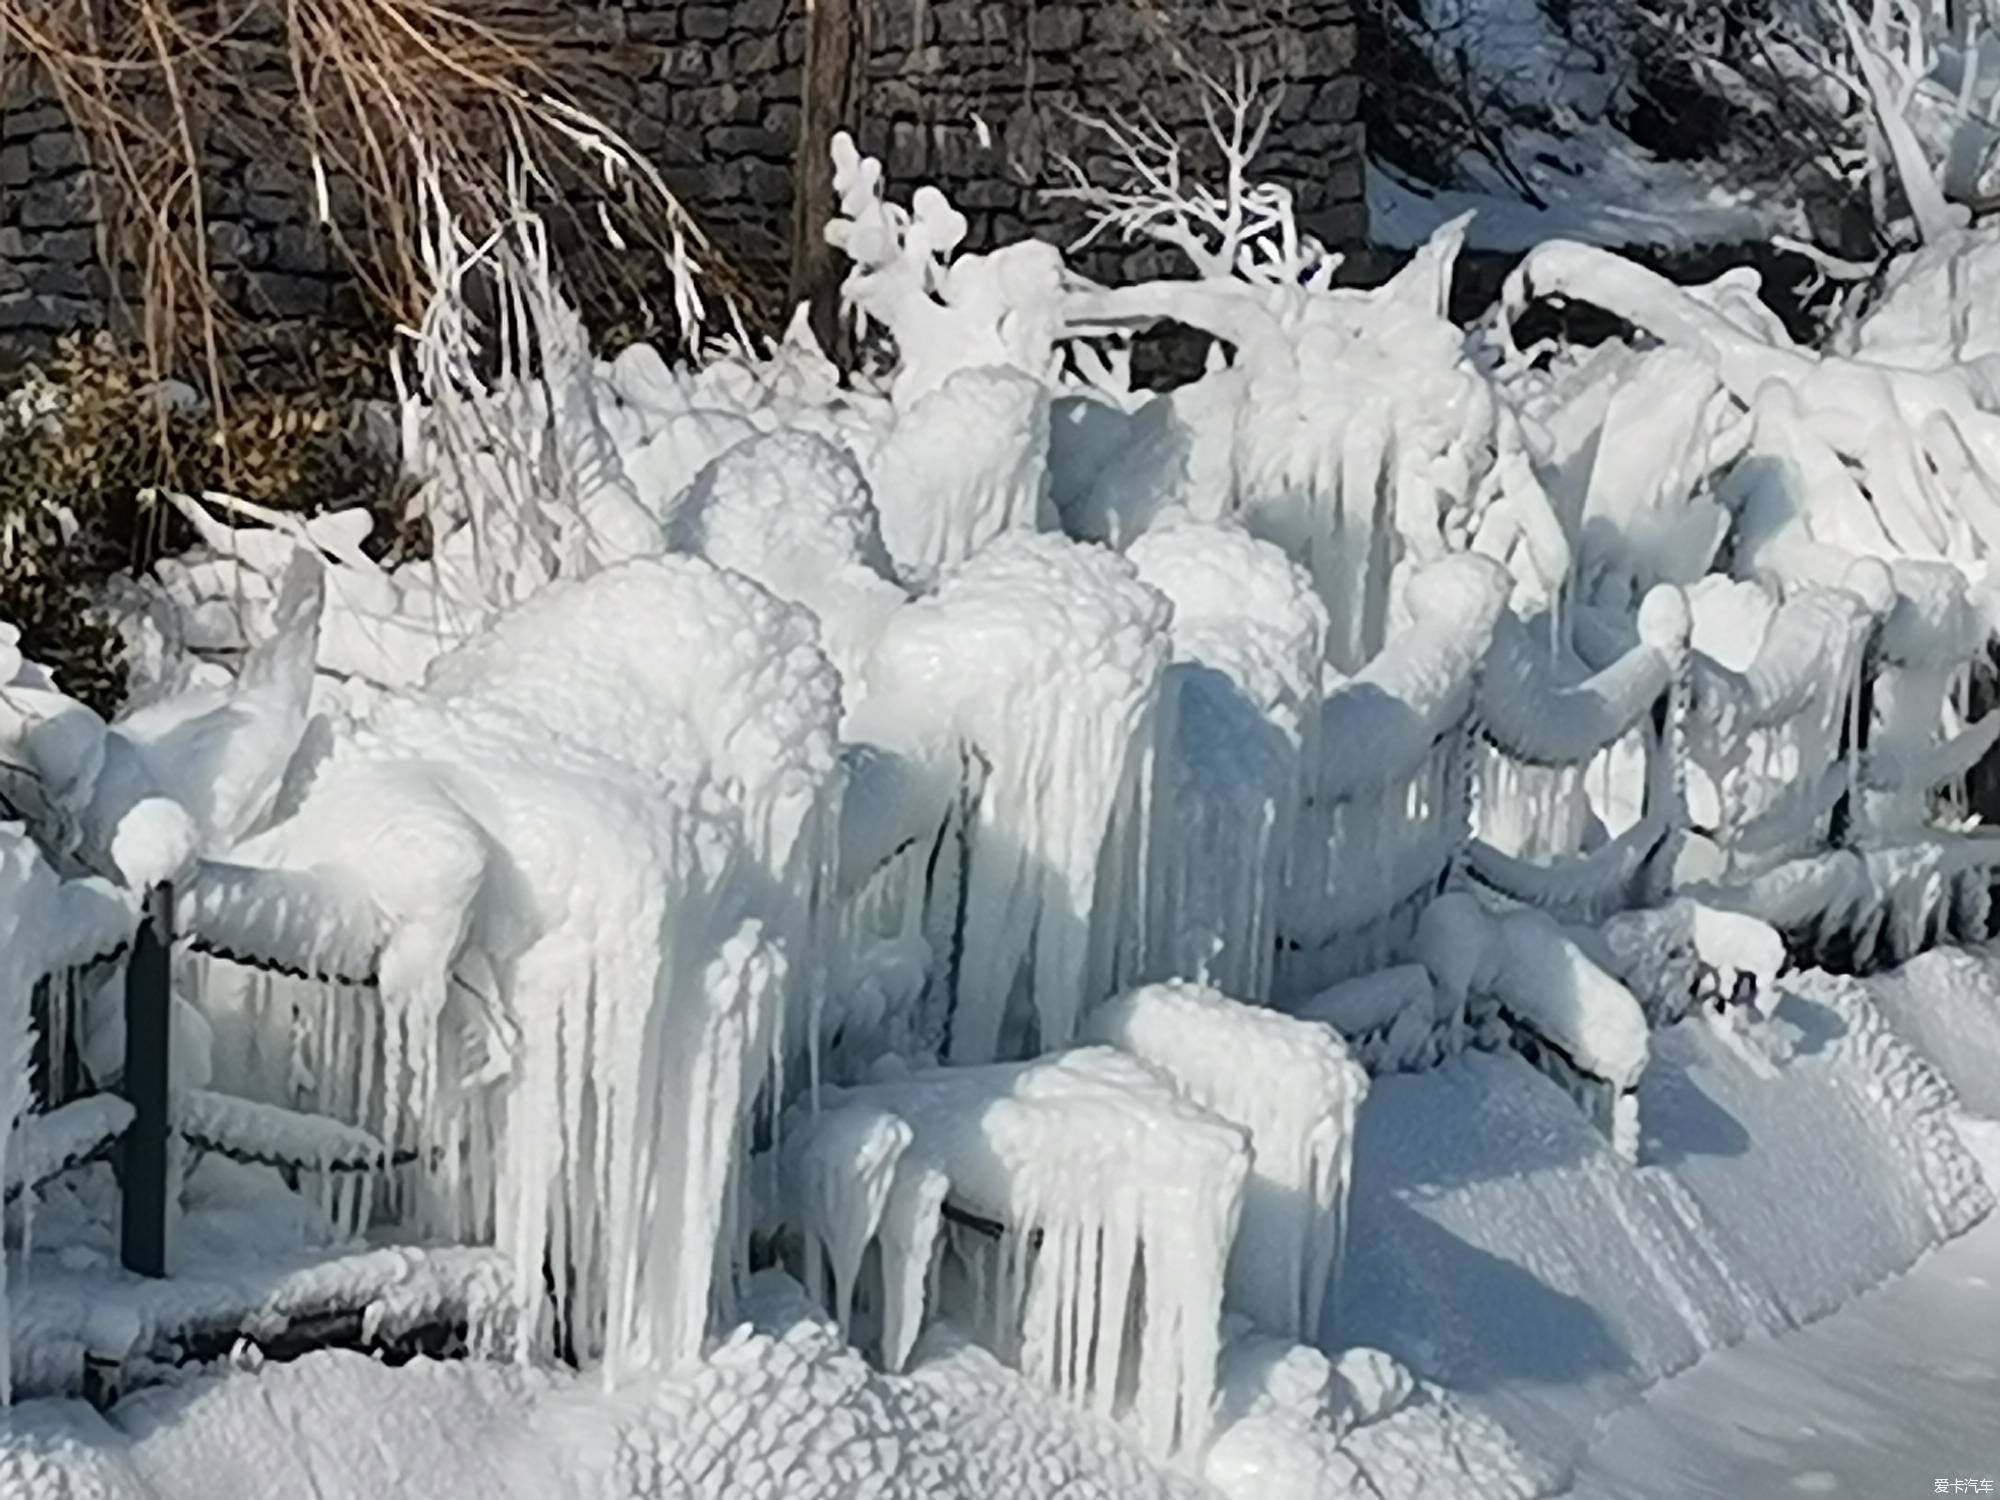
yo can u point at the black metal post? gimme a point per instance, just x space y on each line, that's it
148 1025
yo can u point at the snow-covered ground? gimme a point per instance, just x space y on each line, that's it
1499 1247
1894 1392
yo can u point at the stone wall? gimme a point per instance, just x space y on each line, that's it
977 96
50 278
267 252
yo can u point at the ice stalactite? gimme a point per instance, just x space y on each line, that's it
905 826
1109 1204
963 464
842 1178
594 850
46 924
1060 694
1249 642
729 696
1289 1083
1384 812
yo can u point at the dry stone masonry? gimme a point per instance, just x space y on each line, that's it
981 97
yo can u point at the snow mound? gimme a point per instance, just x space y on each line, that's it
1500 1248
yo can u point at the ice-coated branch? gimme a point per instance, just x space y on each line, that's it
1245 230
947 312
1534 719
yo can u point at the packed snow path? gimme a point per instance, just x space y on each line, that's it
1886 1397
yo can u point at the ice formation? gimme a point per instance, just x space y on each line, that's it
1249 648
1386 810
1291 1085
965 454
628 792
1425 463
46 924
793 511
1044 658
834 809
1089 1216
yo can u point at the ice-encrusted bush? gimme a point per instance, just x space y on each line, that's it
88 437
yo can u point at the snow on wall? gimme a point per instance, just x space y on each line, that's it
975 100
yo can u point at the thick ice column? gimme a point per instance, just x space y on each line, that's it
1249 640
1045 658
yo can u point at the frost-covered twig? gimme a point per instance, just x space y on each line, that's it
1246 229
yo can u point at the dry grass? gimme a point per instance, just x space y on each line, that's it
364 103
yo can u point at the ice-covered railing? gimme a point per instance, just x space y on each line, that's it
104 808
1825 759
1481 977
1917 730
1543 839
1386 810
1080 1212
47 925
579 867
133 802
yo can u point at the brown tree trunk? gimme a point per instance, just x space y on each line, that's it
835 78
